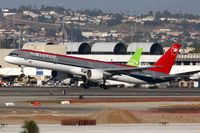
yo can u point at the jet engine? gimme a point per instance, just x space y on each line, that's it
94 74
60 75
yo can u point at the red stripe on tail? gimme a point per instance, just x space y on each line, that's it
167 60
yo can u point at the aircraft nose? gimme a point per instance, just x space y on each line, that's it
8 59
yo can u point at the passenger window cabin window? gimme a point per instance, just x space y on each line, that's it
16 54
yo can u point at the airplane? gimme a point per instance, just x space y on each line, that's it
94 70
135 58
9 74
65 66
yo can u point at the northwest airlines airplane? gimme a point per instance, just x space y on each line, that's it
64 66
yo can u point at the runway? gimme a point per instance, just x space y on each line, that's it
22 96
71 92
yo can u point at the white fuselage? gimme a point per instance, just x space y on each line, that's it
73 70
66 68
45 65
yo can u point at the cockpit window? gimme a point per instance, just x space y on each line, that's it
15 54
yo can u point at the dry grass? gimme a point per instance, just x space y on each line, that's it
114 116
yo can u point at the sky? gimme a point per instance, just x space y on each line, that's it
135 7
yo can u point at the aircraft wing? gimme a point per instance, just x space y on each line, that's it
128 69
181 75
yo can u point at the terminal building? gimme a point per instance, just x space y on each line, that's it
113 48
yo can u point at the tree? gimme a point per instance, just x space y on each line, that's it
116 19
75 35
24 7
158 14
166 13
150 13
30 127
186 34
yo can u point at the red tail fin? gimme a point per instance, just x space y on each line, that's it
167 60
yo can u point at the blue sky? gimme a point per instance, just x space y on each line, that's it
133 6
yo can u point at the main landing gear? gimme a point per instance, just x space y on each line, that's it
104 86
87 84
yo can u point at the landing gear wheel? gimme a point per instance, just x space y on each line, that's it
22 75
86 86
104 86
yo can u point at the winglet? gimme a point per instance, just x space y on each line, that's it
135 58
166 61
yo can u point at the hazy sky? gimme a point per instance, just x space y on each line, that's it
133 6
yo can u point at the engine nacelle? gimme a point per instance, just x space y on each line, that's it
94 74
60 75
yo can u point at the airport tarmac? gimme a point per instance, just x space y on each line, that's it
149 105
94 99
111 128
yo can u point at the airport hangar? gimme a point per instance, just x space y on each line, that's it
107 51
